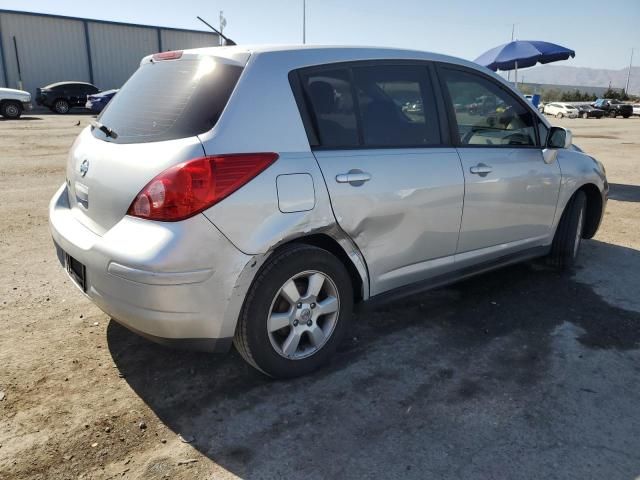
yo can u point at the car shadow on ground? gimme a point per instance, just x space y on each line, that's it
624 193
27 118
476 375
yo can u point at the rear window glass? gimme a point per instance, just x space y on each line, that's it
393 106
396 108
329 93
169 99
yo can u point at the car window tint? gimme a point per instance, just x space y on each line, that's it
396 106
331 102
169 99
486 114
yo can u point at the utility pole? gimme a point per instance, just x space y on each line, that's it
222 24
513 29
626 89
304 21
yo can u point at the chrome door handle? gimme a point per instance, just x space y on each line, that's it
353 177
481 169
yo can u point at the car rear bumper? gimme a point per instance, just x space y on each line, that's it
176 283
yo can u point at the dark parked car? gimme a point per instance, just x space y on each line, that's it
587 111
62 96
613 108
98 101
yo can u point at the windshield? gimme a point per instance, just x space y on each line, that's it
169 99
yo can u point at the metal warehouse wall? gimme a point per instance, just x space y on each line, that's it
53 48
116 51
50 49
177 40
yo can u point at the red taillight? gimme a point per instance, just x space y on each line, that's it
171 55
195 185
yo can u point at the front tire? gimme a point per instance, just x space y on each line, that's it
295 313
613 114
566 243
11 110
559 115
61 106
585 115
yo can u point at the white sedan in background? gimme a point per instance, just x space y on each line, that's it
561 110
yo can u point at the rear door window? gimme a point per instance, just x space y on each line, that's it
396 106
330 98
88 89
169 99
371 105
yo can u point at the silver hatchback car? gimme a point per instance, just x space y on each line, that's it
254 195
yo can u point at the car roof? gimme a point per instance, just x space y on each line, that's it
330 53
59 84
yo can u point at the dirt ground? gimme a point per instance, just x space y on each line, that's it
521 373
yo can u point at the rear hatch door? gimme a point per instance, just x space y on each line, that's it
152 124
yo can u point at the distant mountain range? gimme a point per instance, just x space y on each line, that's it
581 77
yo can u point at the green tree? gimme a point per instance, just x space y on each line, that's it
613 94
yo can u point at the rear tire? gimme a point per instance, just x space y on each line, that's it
61 106
11 110
295 313
585 115
568 237
612 114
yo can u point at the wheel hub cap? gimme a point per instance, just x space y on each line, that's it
303 315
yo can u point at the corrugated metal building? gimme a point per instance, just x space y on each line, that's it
39 49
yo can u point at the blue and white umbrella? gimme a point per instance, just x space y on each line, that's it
522 54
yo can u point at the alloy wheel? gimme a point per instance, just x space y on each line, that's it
303 315
61 106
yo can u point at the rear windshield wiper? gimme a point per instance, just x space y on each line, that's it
104 129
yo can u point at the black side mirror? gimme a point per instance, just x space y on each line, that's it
559 138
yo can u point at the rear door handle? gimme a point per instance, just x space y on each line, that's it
353 177
481 169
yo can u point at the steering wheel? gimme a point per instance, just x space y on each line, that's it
468 136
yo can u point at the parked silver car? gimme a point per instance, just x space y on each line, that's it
274 188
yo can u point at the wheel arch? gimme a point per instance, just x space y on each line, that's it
6 101
358 276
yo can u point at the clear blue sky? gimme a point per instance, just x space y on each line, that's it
463 28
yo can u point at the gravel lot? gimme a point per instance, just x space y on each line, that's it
521 373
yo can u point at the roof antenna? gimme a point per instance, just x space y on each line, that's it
227 41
